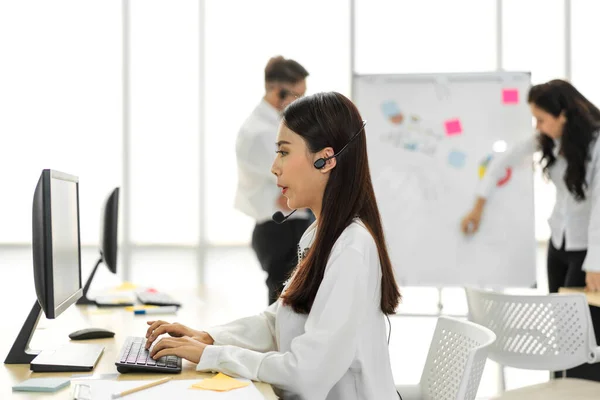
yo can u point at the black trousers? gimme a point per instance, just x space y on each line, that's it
276 246
564 269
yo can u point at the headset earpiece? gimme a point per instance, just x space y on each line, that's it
320 163
283 93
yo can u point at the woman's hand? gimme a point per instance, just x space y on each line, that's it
184 347
157 328
204 337
592 281
470 223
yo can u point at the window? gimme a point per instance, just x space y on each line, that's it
584 47
241 36
165 150
61 105
425 36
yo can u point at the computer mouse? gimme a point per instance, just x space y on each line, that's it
91 333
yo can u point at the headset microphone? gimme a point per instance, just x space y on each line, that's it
279 218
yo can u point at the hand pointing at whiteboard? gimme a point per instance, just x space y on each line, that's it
470 222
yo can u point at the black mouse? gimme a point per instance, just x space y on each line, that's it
91 333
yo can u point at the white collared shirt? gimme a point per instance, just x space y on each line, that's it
337 352
257 190
578 222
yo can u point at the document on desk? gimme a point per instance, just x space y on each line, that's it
176 389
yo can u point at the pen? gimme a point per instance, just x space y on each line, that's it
157 310
137 389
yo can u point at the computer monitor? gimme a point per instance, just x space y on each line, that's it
55 242
109 224
56 268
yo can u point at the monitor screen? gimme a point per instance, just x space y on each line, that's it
65 240
55 244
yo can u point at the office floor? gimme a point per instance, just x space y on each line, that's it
235 288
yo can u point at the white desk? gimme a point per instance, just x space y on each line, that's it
118 320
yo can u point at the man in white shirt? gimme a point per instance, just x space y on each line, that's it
257 194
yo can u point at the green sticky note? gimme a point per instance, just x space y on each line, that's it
41 385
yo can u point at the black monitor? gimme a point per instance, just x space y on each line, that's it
109 224
55 242
56 263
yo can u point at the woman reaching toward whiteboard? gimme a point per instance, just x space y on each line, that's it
568 126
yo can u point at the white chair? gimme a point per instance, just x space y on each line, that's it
540 332
454 364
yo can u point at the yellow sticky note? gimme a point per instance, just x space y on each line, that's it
133 308
126 286
220 383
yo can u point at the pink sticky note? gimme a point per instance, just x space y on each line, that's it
510 96
453 127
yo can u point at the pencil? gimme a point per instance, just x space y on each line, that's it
137 389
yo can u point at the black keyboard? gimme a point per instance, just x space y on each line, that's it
157 299
135 358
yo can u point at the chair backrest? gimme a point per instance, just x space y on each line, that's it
545 332
455 361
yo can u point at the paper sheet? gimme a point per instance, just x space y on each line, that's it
175 389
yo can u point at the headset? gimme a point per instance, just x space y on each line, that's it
283 93
278 217
320 163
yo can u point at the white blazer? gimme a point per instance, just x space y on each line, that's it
337 352
578 222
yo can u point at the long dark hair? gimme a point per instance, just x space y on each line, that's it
583 121
329 120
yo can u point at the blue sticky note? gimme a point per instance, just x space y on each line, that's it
390 109
457 159
41 385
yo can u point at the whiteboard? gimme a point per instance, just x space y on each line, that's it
430 138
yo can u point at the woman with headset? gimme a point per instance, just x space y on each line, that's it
568 126
325 337
257 196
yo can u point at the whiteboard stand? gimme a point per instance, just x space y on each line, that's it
440 302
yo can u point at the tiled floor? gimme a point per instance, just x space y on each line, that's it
235 288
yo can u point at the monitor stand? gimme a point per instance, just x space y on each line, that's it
102 301
69 357
84 299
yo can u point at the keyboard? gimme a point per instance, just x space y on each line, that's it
135 358
157 299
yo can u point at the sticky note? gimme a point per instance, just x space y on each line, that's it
220 383
453 127
139 307
41 385
510 96
390 109
126 286
410 146
457 159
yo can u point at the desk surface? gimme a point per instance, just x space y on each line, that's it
593 298
51 333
